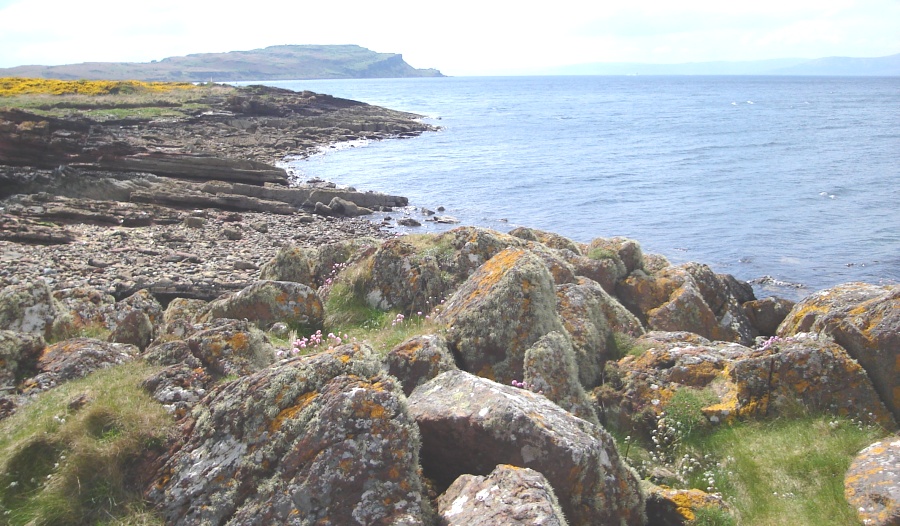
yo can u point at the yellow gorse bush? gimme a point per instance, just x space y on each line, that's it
12 86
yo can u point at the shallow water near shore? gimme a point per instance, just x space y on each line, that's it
797 178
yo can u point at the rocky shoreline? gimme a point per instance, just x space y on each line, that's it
480 382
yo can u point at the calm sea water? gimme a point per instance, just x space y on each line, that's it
797 178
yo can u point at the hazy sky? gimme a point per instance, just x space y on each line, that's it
462 37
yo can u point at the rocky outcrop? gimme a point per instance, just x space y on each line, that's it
863 319
678 507
325 437
872 484
19 353
738 382
690 298
508 495
469 425
231 347
419 359
549 369
29 307
592 318
499 312
76 358
267 302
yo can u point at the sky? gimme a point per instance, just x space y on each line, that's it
462 37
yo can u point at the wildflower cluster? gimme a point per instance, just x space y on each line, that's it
526 386
335 270
313 342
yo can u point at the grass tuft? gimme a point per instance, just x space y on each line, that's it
61 465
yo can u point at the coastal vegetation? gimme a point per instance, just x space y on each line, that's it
102 100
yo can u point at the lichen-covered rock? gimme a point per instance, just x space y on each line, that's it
231 347
766 314
591 316
268 302
561 270
416 272
469 425
291 263
134 328
406 277
76 358
815 372
865 320
628 251
606 271
172 352
872 484
689 298
19 353
550 239
179 317
499 312
82 309
318 439
178 388
678 507
419 359
508 495
550 370
737 381
28 307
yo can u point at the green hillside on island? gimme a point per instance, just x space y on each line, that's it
286 62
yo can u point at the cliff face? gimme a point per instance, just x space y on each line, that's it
271 63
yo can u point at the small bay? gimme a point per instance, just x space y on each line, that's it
796 178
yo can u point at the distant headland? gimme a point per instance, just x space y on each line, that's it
270 63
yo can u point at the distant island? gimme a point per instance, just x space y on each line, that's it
288 62
831 66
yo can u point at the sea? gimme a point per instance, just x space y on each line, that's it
791 183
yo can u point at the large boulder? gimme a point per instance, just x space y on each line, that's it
416 272
318 439
508 495
267 302
550 370
690 298
865 320
766 314
419 359
737 382
231 347
872 484
76 358
550 239
19 353
469 425
291 263
592 317
813 371
29 307
499 312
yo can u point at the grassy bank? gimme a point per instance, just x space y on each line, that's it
102 100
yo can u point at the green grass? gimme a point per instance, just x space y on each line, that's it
142 104
788 471
60 465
